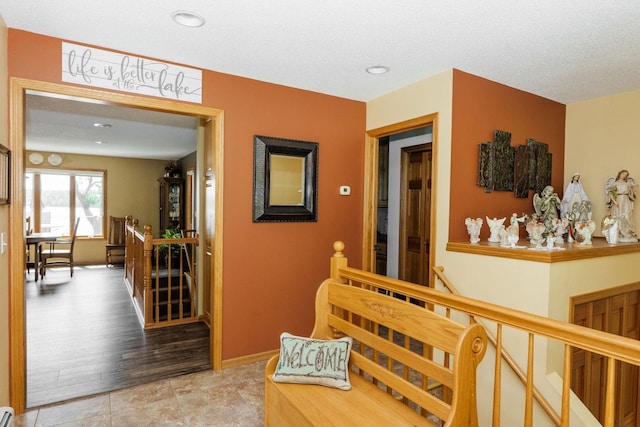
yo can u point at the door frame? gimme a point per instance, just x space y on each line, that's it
370 205
17 321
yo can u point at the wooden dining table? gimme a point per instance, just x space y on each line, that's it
34 239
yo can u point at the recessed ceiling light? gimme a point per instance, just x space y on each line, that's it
187 19
102 125
100 142
377 69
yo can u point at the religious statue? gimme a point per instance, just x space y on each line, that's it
473 228
575 200
620 195
495 225
547 207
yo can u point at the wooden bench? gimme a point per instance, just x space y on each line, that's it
408 366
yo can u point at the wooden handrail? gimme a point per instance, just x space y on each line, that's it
621 348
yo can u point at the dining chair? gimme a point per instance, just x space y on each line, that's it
57 253
27 231
116 238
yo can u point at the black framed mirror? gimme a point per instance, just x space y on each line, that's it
285 180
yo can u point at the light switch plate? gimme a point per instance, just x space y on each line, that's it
345 190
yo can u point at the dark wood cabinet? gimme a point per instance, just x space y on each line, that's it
171 203
383 172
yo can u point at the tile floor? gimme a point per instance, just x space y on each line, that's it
231 397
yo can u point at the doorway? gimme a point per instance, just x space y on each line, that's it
391 209
382 192
214 143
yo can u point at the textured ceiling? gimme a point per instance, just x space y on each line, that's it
564 50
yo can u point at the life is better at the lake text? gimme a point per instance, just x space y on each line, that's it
110 70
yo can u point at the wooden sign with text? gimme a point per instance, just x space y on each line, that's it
110 70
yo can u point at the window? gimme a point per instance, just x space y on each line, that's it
54 199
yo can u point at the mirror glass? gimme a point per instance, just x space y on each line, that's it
286 184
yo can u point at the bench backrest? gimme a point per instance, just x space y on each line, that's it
424 359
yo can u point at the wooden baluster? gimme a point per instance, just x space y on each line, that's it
566 387
497 377
181 285
609 406
169 267
528 407
147 251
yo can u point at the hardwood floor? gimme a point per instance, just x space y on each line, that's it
84 338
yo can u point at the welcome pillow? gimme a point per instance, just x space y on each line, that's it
312 361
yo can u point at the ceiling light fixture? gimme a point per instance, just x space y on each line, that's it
99 142
377 69
187 19
102 125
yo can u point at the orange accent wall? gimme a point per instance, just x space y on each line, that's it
481 107
271 270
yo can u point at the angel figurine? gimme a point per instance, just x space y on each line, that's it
610 229
535 229
473 228
585 229
620 195
547 206
560 226
496 226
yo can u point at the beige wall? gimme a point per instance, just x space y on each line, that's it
132 189
429 96
4 223
602 137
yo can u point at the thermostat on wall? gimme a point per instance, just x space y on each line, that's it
345 190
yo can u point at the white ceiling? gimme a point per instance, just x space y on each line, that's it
66 125
564 50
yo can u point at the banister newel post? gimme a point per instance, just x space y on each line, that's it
338 261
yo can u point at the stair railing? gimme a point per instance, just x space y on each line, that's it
508 358
164 291
612 348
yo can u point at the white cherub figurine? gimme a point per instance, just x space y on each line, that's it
610 229
496 226
535 229
550 240
586 229
559 228
473 228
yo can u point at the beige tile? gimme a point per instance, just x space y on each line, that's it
98 421
232 397
141 395
222 406
28 419
73 411
160 413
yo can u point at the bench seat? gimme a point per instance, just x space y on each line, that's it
364 405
